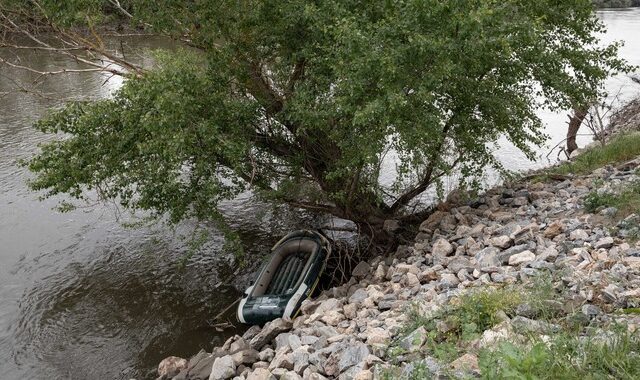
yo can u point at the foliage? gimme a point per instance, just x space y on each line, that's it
625 199
301 101
614 356
465 319
619 149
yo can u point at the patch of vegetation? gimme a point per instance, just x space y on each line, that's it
616 356
627 200
619 149
463 320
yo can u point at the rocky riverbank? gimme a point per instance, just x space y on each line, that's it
526 263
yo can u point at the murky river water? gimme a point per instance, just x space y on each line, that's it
82 297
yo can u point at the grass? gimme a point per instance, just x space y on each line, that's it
466 318
567 357
620 149
627 200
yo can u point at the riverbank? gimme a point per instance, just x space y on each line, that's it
516 282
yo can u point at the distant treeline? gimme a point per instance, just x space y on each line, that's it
616 3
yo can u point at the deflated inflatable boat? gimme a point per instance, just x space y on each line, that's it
289 277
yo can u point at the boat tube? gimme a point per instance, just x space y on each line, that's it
290 277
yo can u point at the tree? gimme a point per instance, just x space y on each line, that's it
301 101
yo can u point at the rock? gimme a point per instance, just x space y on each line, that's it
171 366
578 234
223 368
442 248
412 280
292 341
290 375
199 367
364 374
520 201
329 305
266 355
467 362
415 340
247 356
352 355
606 243
361 270
502 242
591 310
488 257
504 256
282 359
459 263
526 310
332 318
377 336
448 280
359 296
270 331
432 221
525 326
522 258
251 332
554 229
261 374
315 376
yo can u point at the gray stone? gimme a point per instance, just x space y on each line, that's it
526 310
591 310
270 331
223 368
282 359
171 366
458 263
504 256
267 354
358 296
522 258
606 243
328 305
288 340
251 332
448 280
488 257
361 270
353 355
200 366
248 356
502 242
578 234
524 325
290 375
414 340
261 374
442 248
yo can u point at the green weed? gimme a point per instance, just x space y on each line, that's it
620 149
616 356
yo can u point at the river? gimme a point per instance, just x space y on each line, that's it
82 297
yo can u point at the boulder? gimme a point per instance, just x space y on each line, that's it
270 331
223 368
414 340
361 270
522 258
442 248
261 374
171 366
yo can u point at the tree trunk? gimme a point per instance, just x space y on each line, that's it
575 121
